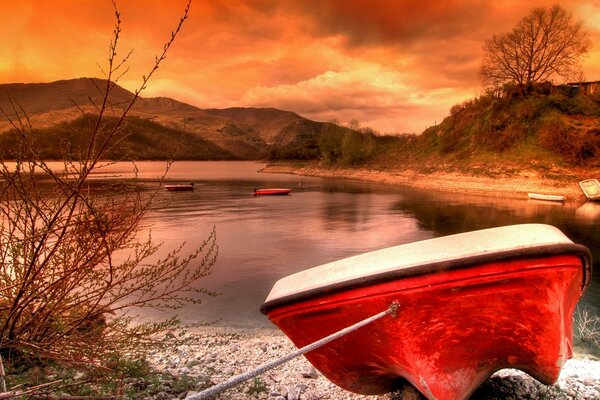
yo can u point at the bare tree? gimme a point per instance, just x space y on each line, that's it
71 257
545 44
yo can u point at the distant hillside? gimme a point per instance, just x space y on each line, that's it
236 133
504 133
40 98
267 120
140 139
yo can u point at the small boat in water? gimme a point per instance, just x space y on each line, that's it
469 305
591 188
180 188
546 197
271 192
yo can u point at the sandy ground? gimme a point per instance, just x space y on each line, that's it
516 185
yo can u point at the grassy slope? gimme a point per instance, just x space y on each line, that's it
550 134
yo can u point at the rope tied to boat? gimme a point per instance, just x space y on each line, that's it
236 380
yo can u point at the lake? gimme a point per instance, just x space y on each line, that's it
262 239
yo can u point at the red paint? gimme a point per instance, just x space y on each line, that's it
179 188
271 192
453 331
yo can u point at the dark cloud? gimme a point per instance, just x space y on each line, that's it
397 23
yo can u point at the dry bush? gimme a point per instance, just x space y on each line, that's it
571 144
587 329
71 259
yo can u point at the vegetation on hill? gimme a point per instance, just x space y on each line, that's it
140 139
552 128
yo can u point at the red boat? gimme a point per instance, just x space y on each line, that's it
271 192
180 188
469 305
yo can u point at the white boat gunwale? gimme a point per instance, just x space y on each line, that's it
535 241
547 197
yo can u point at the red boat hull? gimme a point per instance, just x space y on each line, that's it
179 188
271 192
454 329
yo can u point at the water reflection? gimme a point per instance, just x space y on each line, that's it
588 213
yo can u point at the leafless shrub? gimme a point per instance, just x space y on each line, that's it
71 260
587 328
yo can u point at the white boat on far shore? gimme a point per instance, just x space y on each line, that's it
591 188
546 197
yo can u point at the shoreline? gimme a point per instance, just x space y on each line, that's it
516 186
216 354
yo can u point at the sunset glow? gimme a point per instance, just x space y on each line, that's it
395 65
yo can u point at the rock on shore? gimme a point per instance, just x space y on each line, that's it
214 355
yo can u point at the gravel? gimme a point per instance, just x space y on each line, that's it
214 355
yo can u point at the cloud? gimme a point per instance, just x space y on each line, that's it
372 95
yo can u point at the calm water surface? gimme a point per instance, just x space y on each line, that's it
262 239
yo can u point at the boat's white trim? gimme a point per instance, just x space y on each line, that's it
410 258
548 197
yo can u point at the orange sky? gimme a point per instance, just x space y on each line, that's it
394 65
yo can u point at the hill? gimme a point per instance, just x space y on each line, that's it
491 133
140 139
236 133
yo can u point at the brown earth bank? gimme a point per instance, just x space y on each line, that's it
488 181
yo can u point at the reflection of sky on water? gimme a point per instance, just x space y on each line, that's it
262 239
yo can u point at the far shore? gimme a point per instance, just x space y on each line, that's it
501 185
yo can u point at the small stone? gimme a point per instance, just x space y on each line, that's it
310 373
292 394
192 363
78 376
280 391
295 392
190 393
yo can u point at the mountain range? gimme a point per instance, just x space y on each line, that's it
157 124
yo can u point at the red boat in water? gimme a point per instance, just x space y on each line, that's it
271 192
180 188
469 305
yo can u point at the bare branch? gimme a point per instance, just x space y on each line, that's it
545 44
71 261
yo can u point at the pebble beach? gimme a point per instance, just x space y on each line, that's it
214 355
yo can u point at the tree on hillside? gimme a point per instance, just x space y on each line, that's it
545 44
346 146
72 258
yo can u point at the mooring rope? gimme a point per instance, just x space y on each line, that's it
236 380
